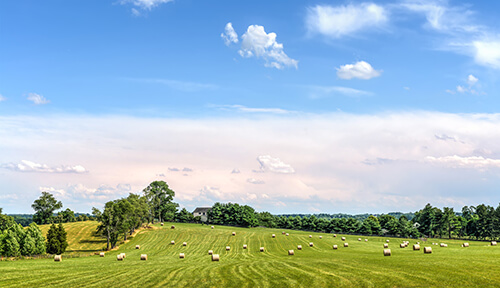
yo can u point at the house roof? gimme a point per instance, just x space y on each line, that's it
202 209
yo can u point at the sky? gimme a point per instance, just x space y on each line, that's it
286 106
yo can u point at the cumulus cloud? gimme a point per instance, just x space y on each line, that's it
80 192
29 166
360 70
145 4
471 82
209 192
465 162
268 163
229 34
487 53
338 21
257 43
255 181
37 99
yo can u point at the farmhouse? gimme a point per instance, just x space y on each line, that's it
202 212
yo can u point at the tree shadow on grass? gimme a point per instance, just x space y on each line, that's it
86 241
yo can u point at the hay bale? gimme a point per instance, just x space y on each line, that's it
359 239
119 257
172 242
427 250
335 235
416 247
443 245
402 245
102 254
465 244
343 238
387 252
210 252
335 247
283 233
320 237
290 252
311 244
261 249
274 235
184 244
299 247
161 224
234 233
144 257
215 257
366 240
310 236
493 243
386 245
387 240
228 248
213 227
245 246
123 255
346 244
172 227
287 234
137 246
58 258
181 255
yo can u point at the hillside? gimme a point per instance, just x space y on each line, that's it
362 264
81 237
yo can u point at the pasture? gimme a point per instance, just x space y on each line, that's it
362 264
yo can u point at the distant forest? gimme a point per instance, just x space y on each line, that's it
360 217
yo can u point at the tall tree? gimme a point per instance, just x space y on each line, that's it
44 208
5 221
159 195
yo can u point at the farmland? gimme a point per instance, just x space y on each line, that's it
362 264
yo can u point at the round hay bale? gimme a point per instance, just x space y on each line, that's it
283 233
228 248
274 236
335 247
119 257
386 245
210 252
144 257
58 258
137 246
387 240
310 236
215 257
184 243
343 238
311 244
123 255
161 224
427 250
234 233
172 227
443 245
290 252
402 245
493 243
213 227
359 239
181 255
335 235
287 234
465 244
366 240
102 254
346 244
320 237
416 247
387 252
245 246
172 242
299 247
261 249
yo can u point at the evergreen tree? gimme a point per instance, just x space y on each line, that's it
28 246
36 234
62 235
53 243
10 245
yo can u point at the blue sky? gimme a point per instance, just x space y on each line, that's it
340 106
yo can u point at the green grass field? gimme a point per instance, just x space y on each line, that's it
362 264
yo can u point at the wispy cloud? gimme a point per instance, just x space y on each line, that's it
2 98
185 86
271 164
229 35
29 166
80 192
244 109
339 21
37 99
255 181
361 70
145 5
456 161
316 91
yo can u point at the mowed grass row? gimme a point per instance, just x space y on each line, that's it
362 264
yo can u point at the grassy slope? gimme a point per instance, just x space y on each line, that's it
81 238
362 264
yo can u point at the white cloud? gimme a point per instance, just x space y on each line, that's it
241 108
229 34
209 192
2 98
37 99
255 181
465 162
316 92
79 192
236 171
256 42
185 86
338 21
471 80
360 70
145 4
29 166
268 163
487 53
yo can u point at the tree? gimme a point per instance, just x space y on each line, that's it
44 208
56 239
36 234
184 216
10 245
67 215
159 195
5 221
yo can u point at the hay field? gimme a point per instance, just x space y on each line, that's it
362 264
81 238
